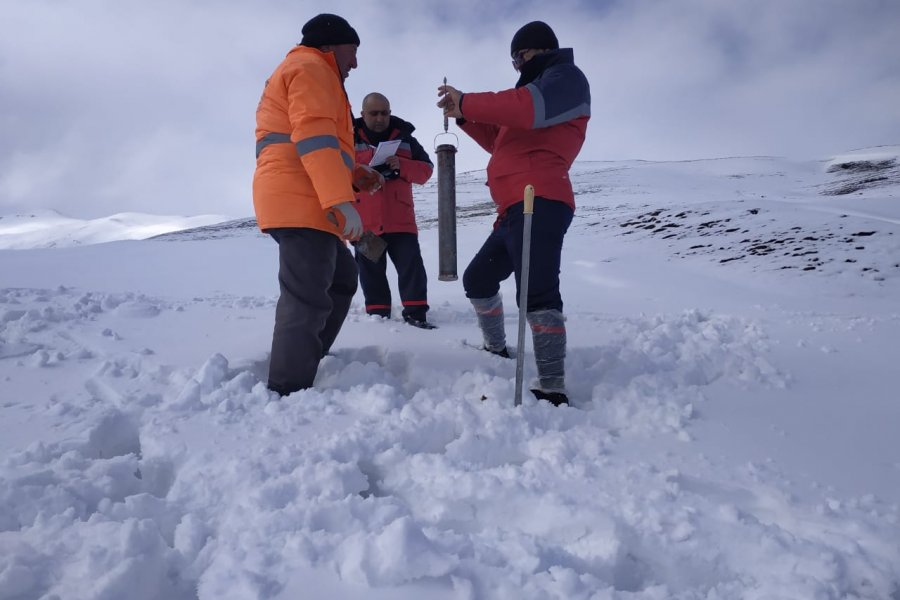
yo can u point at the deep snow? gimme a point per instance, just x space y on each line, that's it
733 341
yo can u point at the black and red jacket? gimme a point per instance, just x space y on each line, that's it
534 131
390 209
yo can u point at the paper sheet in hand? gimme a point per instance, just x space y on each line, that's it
383 151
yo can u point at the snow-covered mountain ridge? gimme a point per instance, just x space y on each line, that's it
748 195
50 229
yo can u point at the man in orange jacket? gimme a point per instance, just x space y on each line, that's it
303 195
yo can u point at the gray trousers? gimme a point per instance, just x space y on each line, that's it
317 276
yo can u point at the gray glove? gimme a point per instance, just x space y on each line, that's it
345 216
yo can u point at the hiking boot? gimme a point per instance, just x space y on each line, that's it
554 398
282 391
420 323
502 352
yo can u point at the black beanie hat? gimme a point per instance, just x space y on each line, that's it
537 35
327 29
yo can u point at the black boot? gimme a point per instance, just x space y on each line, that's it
420 323
554 398
502 352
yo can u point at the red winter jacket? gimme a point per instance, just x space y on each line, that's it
390 209
533 131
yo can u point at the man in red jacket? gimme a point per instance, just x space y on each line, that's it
533 132
388 212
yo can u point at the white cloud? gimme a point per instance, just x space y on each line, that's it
115 106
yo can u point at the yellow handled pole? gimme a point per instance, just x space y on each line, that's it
527 211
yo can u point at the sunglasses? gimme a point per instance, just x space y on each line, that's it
518 58
378 113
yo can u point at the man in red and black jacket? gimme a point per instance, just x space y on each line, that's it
389 212
533 132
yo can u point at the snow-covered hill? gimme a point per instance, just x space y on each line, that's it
733 328
773 213
49 229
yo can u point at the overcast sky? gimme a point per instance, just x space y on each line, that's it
123 105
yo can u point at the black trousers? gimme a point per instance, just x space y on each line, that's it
317 278
405 253
501 255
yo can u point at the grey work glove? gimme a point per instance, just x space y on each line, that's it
347 219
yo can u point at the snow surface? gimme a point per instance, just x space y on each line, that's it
733 325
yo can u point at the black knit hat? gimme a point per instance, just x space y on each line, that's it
536 35
327 29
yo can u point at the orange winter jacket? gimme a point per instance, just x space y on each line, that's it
304 143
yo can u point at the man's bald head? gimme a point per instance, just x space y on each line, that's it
376 111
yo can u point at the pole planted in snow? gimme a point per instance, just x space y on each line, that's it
527 211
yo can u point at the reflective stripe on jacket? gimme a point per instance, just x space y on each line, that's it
533 132
391 209
304 143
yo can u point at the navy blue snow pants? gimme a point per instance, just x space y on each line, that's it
405 253
501 255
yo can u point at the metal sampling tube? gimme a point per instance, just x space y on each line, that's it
446 163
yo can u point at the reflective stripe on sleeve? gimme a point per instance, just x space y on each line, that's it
271 138
316 142
319 142
305 146
348 160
